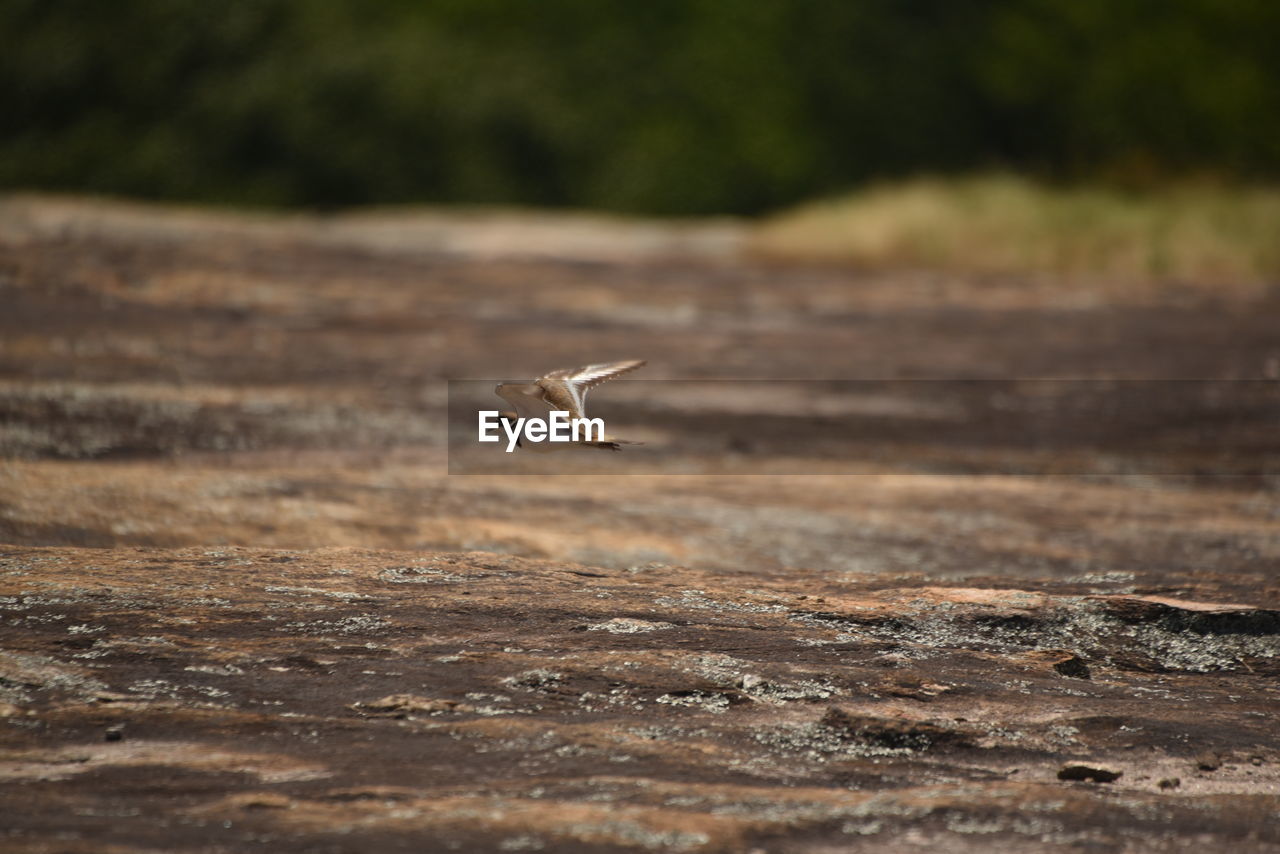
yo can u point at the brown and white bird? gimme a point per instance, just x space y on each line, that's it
564 390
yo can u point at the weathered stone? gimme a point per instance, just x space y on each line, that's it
824 621
1208 761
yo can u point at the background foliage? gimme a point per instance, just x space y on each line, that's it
665 106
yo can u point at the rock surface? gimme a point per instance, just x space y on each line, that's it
348 699
243 606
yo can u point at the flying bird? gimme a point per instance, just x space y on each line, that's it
564 390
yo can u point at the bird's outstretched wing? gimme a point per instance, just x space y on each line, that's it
567 389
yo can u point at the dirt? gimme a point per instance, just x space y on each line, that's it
908 560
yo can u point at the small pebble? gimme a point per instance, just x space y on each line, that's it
1208 761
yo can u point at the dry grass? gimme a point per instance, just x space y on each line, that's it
1005 224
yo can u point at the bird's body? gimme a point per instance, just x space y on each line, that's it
564 390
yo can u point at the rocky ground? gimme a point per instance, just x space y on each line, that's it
832 604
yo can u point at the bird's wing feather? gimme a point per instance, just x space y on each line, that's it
567 388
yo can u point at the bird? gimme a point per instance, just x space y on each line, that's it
564 390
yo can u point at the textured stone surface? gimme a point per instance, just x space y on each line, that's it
317 699
243 608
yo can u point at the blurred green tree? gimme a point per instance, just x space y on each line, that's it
670 106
